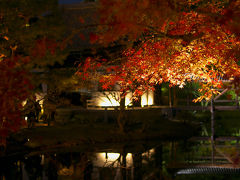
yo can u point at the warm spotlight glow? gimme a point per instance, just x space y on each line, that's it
128 99
147 98
40 98
112 98
107 102
106 98
149 153
112 156
111 159
24 103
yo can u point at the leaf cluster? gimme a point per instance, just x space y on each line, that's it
171 41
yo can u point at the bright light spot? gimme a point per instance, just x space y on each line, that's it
24 103
129 159
39 98
147 98
26 118
112 98
128 99
111 159
112 156
108 102
149 153
107 98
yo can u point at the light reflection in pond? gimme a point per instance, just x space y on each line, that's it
151 163
111 159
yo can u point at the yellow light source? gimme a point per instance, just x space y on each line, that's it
107 98
128 99
104 101
147 98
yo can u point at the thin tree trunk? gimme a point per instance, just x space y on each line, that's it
213 130
174 97
124 166
121 117
170 96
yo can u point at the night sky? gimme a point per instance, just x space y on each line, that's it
69 1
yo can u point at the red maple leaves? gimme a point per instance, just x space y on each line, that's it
14 89
185 41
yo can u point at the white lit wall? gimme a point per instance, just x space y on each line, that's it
112 98
128 99
147 98
107 98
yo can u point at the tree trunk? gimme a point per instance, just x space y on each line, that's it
121 116
213 130
158 95
174 97
170 96
124 166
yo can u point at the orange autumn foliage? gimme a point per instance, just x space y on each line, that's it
170 41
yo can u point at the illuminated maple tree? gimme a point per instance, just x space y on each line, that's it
168 41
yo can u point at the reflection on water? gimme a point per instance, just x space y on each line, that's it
107 159
163 160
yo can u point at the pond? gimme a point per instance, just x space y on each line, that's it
163 149
183 159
